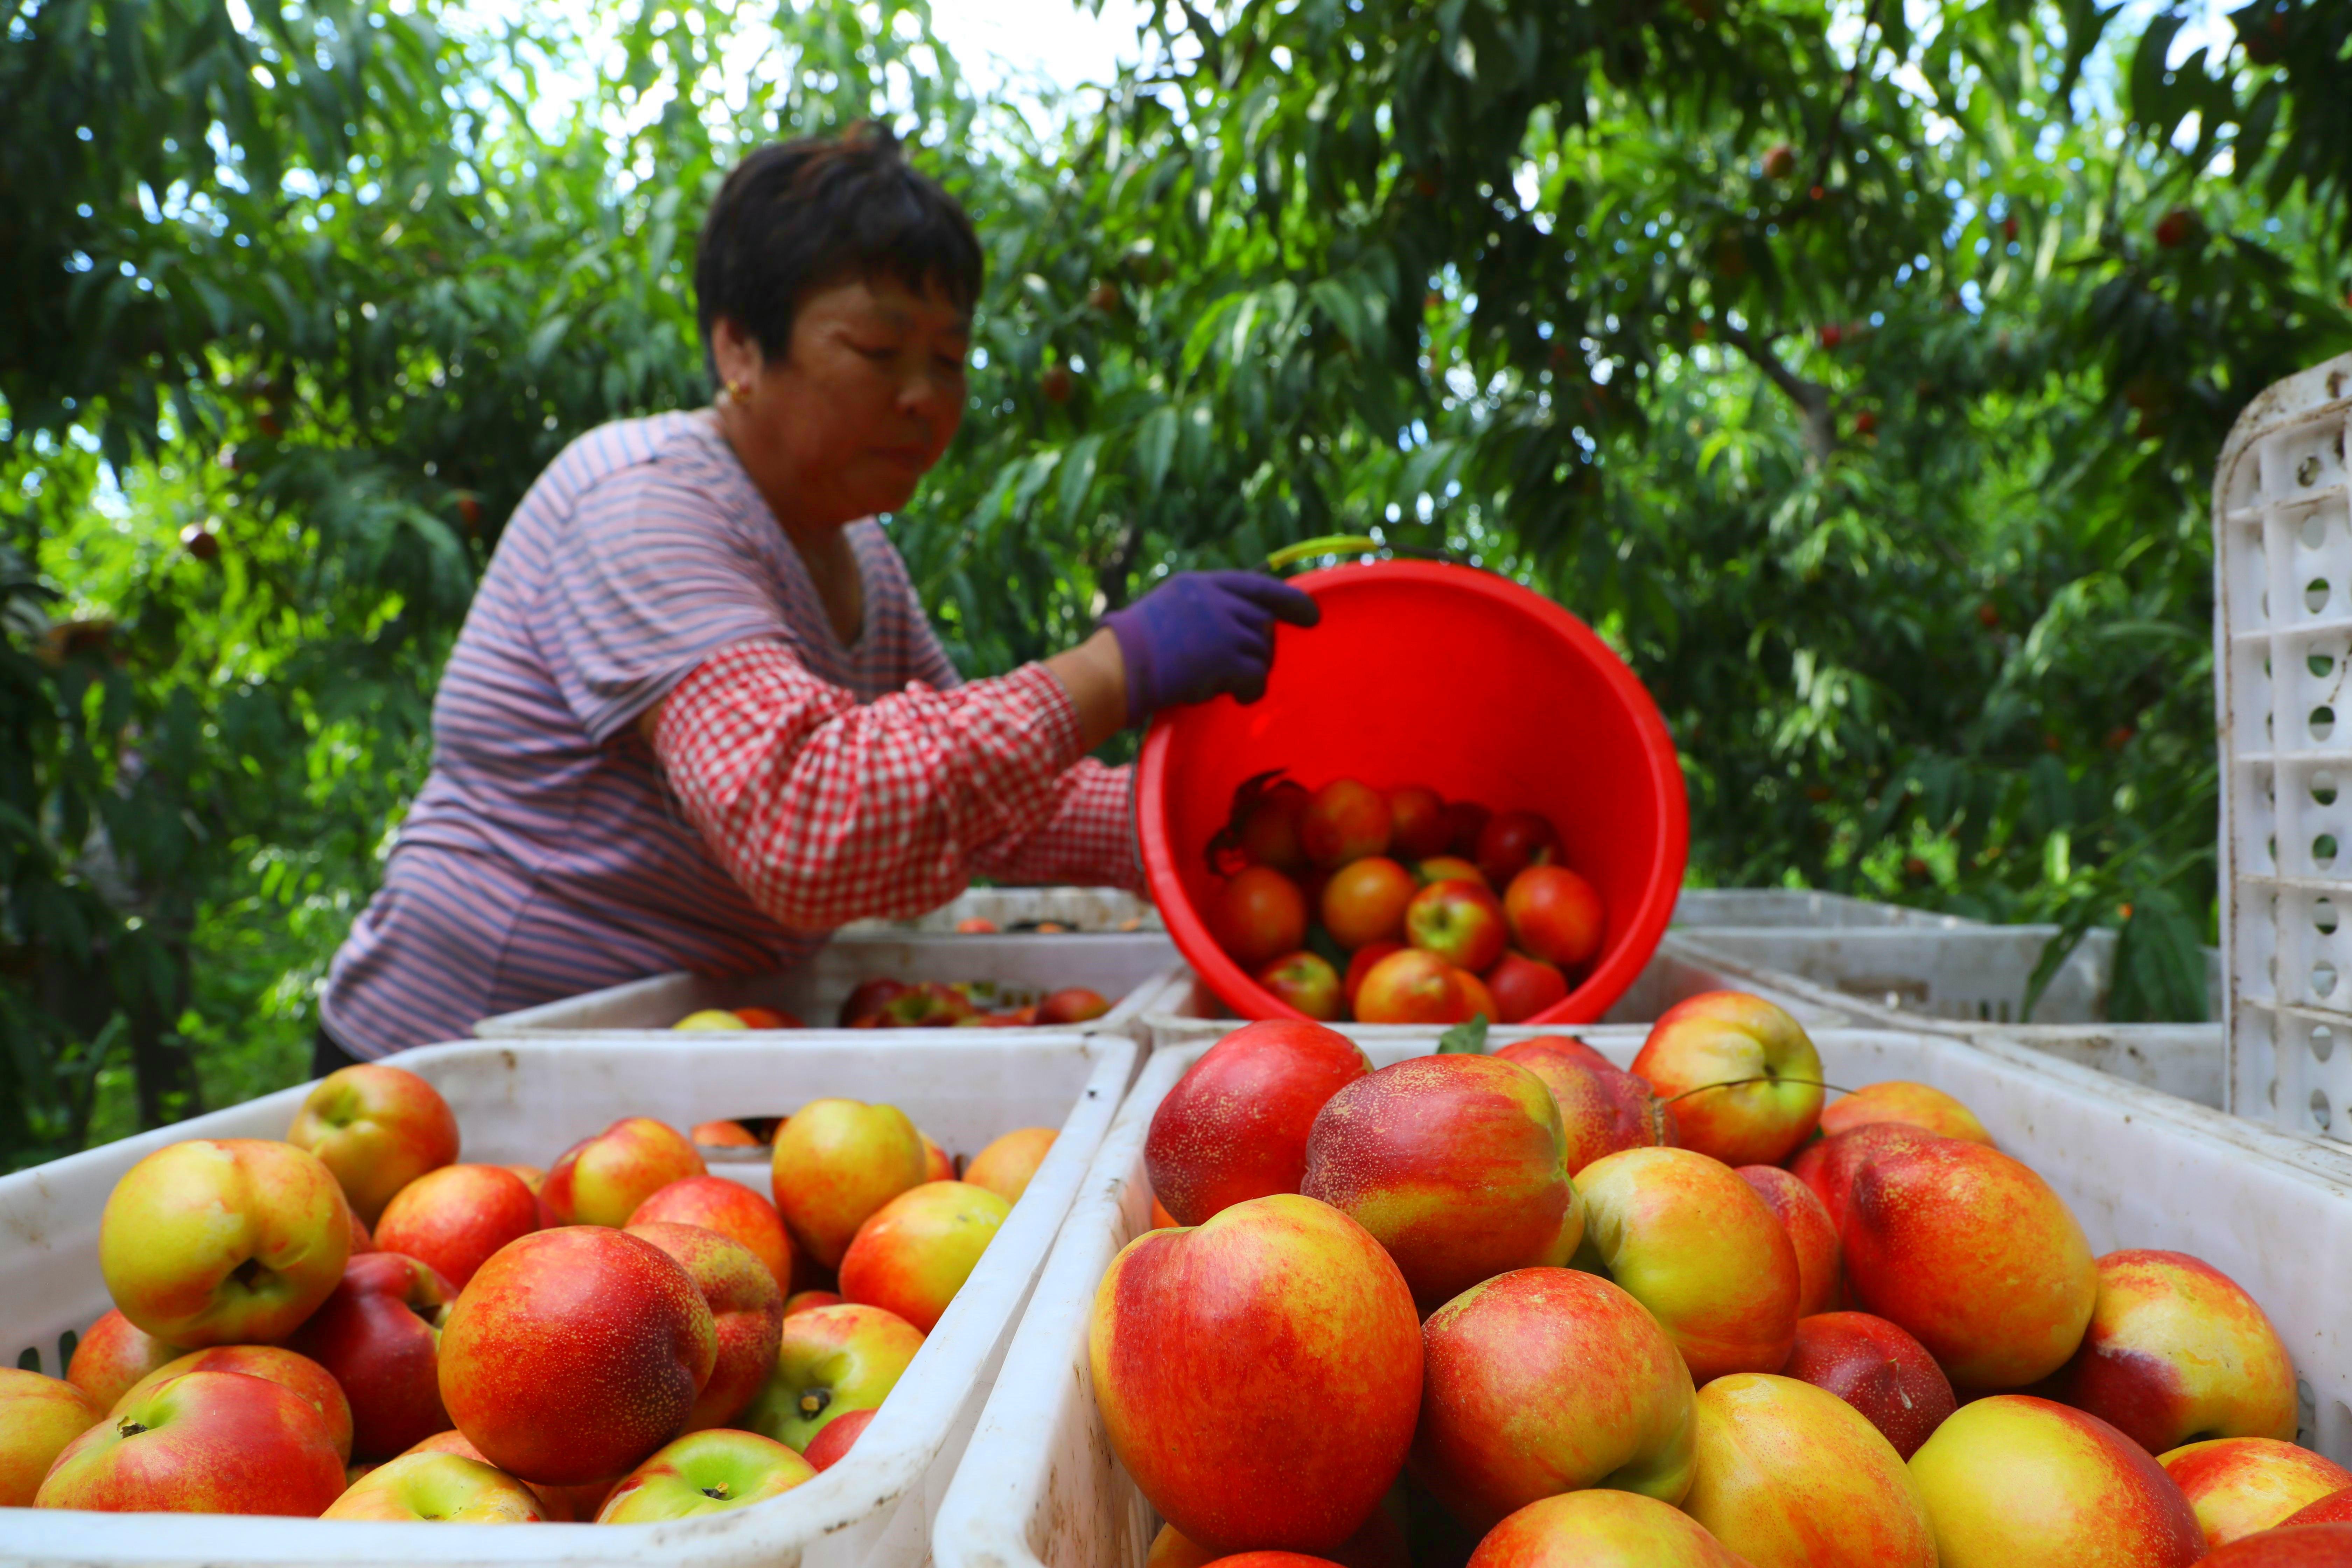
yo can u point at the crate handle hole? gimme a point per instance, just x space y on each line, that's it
2323 1041
2319 664
2314 594
2323 787
2322 723
2307 471
2323 917
2323 980
29 1360
2323 851
2321 1117
2313 532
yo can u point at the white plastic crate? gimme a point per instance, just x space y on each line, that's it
1970 974
1833 959
1014 969
1185 1010
1704 908
1038 1485
1091 910
1969 979
2281 643
1946 984
527 1100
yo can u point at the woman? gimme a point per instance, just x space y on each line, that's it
696 718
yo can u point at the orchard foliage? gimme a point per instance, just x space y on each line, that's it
320 304
1836 369
1862 383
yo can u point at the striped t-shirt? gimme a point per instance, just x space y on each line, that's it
541 859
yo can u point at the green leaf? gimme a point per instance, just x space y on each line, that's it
2153 102
1346 308
545 338
2086 23
2160 967
1155 444
1078 475
1464 1039
2055 953
1032 478
2054 794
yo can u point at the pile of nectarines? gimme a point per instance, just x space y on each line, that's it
352 1324
925 1004
1533 1310
981 925
1397 907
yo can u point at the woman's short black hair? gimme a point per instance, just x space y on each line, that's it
804 214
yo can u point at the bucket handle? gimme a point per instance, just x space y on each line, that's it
1290 555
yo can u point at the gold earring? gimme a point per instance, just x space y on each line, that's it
739 392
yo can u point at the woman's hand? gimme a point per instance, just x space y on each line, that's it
1202 635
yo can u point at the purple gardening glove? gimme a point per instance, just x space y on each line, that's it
1201 634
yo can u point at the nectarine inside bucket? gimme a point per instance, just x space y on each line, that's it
1424 673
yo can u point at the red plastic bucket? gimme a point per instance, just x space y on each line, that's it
1445 675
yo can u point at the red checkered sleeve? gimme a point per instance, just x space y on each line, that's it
1088 838
827 811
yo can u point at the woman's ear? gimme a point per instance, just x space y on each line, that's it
735 352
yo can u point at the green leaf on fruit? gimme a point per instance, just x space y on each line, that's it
1464 1039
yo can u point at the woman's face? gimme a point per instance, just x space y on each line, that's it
862 407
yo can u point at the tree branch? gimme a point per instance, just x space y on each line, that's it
1112 576
1811 398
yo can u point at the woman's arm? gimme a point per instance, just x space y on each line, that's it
1088 835
1088 838
825 811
